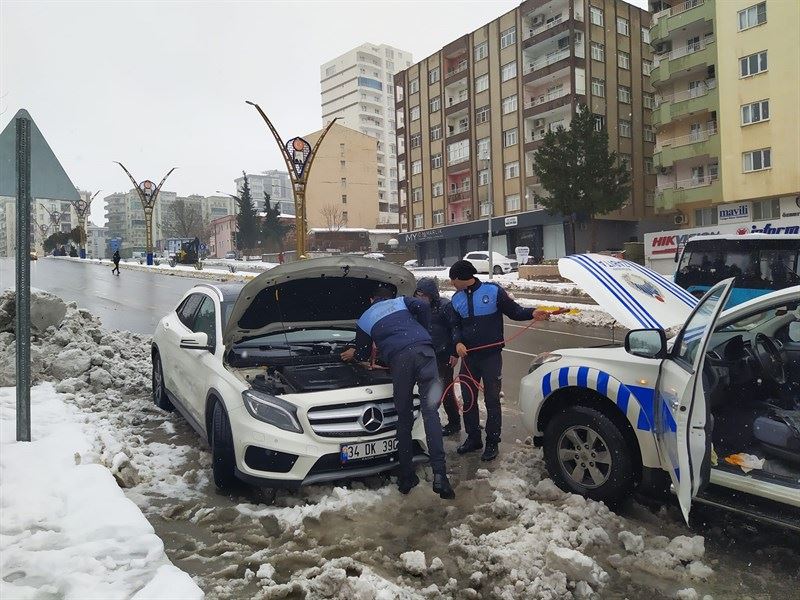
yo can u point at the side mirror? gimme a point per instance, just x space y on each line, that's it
794 331
195 341
647 343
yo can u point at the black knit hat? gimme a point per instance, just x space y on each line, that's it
462 270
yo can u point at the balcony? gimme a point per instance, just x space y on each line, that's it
679 16
687 191
459 194
455 70
455 158
547 60
542 102
698 143
683 59
674 106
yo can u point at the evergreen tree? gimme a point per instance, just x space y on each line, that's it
273 231
582 177
247 220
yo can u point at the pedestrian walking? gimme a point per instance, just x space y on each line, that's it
442 337
399 329
477 320
116 258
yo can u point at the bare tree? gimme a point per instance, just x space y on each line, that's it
184 220
335 217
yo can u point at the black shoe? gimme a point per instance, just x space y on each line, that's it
441 486
491 451
450 429
470 445
406 483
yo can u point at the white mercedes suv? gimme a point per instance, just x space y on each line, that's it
255 369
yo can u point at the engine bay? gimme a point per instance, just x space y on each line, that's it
293 379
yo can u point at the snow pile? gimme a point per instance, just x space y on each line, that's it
67 528
511 281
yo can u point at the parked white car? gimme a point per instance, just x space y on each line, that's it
717 404
255 369
411 264
500 264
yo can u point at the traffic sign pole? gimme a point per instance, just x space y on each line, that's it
23 279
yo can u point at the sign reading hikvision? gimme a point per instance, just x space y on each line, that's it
734 213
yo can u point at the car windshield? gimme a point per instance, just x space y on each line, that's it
759 319
300 337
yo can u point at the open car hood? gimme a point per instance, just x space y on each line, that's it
637 297
332 291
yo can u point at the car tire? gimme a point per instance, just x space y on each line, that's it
223 459
498 270
160 397
604 471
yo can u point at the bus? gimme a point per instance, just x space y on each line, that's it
760 263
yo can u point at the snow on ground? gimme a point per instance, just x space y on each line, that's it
510 281
68 530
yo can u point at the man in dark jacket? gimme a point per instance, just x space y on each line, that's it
442 336
399 329
116 259
477 320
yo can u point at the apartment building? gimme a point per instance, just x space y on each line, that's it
96 241
274 182
727 123
47 218
470 117
358 88
125 219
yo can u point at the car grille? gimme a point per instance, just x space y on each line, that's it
343 420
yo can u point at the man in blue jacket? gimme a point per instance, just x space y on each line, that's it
477 314
399 329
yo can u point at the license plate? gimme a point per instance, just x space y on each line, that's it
352 452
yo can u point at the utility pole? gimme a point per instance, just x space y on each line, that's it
489 219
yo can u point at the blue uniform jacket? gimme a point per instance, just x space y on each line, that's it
477 313
393 325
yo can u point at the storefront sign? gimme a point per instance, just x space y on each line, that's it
734 213
522 252
422 236
511 221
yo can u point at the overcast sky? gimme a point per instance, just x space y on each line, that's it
162 84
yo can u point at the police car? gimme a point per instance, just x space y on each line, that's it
714 409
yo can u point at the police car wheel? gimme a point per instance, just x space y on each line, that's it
223 460
586 454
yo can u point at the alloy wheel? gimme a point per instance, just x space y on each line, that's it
584 456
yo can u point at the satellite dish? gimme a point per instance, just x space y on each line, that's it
393 243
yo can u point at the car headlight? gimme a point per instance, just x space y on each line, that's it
541 359
272 410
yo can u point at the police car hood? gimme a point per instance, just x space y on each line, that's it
332 291
637 297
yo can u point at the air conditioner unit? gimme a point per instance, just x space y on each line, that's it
538 123
665 170
563 43
679 219
538 20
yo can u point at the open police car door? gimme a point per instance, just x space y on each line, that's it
681 412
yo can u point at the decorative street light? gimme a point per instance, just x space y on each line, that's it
82 208
299 155
148 194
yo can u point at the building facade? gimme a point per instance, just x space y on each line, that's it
276 183
358 88
728 128
125 219
47 218
470 117
96 241
222 236
344 182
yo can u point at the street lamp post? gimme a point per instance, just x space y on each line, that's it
148 194
82 208
489 219
299 156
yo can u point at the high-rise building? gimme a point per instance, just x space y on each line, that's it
358 88
96 241
471 115
276 183
727 123
125 219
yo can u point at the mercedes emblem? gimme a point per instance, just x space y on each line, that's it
371 419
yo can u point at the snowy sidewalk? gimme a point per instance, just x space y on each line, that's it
66 528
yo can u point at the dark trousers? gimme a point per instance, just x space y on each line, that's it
449 401
116 267
417 366
487 369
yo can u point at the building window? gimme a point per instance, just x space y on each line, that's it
436 132
481 115
482 149
418 221
481 51
436 160
599 122
596 15
344 181
438 188
648 100
623 60
483 177
510 138
753 64
645 35
508 37
512 203
508 71
436 104
648 165
649 133
512 170
486 209
416 140
413 86
344 198
626 159
755 15
647 67
416 167
756 160
598 87
625 128
623 26
767 209
416 194
509 104
433 75
342 164
481 83
414 112
438 217
705 217
755 112
598 52
624 94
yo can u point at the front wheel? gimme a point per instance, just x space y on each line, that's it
586 454
223 459
160 398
